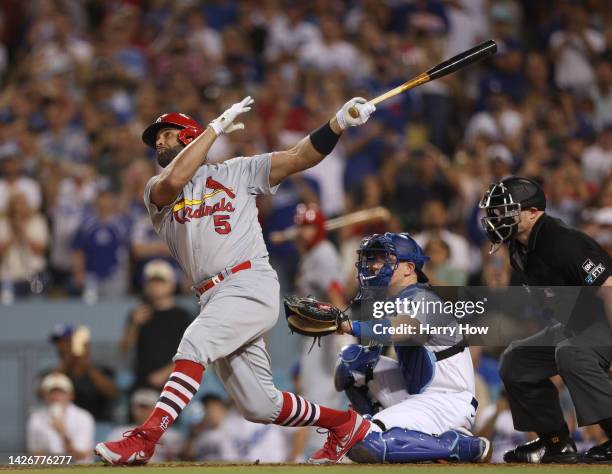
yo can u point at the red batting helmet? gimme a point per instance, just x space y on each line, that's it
190 129
310 214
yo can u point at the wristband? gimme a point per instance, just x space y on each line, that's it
324 139
218 129
341 119
356 328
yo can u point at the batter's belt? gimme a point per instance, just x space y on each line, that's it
219 277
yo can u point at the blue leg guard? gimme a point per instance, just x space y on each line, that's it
399 445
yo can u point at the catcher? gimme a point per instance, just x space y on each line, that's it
422 406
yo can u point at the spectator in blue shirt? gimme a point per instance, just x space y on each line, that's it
100 249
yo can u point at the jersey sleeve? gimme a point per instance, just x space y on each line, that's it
583 262
157 215
256 171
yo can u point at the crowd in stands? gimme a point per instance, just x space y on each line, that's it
81 79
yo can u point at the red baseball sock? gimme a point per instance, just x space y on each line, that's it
299 412
180 388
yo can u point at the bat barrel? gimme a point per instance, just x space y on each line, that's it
466 58
471 56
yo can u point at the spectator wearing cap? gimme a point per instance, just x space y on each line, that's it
155 328
60 427
142 403
94 385
100 249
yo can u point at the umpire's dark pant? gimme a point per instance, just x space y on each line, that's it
583 361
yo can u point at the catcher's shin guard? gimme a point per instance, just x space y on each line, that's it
399 445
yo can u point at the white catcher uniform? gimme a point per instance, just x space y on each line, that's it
210 228
447 401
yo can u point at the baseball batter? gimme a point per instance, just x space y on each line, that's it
208 217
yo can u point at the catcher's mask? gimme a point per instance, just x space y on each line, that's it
393 248
189 128
503 202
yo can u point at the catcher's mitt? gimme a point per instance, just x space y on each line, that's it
310 317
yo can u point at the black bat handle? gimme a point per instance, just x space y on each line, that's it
475 54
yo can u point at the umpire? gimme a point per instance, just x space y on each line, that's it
545 252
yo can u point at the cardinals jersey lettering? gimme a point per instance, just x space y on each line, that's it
212 224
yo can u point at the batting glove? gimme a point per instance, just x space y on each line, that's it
357 106
224 123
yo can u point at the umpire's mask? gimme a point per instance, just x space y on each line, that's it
503 202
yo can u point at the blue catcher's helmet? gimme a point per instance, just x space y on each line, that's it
403 247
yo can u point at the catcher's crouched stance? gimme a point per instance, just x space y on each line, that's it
208 217
422 406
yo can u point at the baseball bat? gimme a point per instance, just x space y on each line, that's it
461 60
359 217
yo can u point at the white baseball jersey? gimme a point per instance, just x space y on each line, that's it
212 224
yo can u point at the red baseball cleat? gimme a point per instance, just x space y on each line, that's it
136 447
340 439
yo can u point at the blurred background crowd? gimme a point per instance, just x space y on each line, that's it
81 79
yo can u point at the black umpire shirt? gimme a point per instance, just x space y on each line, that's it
558 255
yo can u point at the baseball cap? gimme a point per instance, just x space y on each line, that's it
144 396
61 331
159 270
56 381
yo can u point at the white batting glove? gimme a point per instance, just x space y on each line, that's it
363 111
224 123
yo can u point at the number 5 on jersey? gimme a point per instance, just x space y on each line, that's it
222 225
